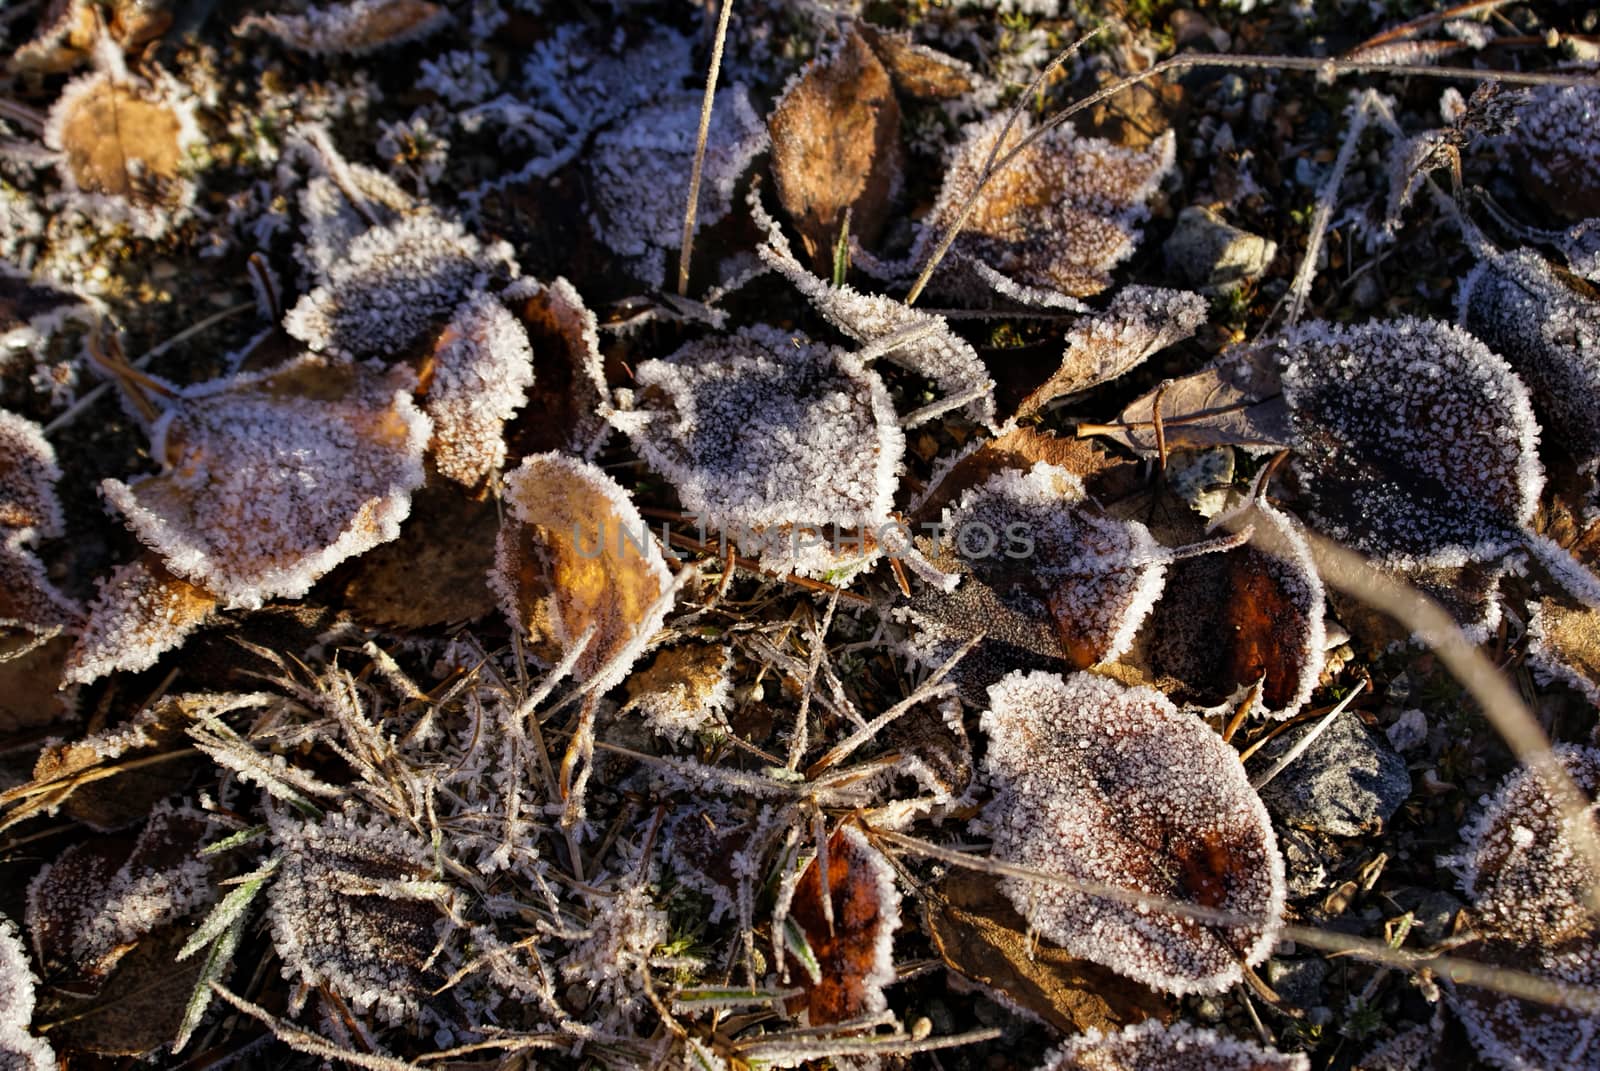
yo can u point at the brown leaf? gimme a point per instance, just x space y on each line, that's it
918 71
122 140
566 561
354 28
30 686
1019 448
1564 643
137 1010
1234 401
141 612
836 147
32 610
65 36
684 690
855 953
435 573
979 934
569 384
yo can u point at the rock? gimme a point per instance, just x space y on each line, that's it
1349 782
1207 252
1410 730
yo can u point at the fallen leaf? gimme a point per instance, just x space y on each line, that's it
1236 400
354 28
1564 645
1018 448
1169 1047
141 612
1098 781
64 38
836 148
978 934
32 312
1557 152
31 692
474 381
32 610
573 555
919 71
856 951
566 402
685 690
20 1048
138 1008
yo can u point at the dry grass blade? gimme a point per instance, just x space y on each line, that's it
686 246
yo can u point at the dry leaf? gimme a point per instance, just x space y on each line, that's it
1139 322
270 479
685 690
1172 1047
474 381
574 555
1236 400
568 396
31 688
354 28
979 934
1111 784
32 610
918 71
836 148
28 477
1019 448
141 612
64 38
1564 645
1557 150
138 1009
856 952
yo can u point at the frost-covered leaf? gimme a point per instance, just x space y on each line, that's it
836 147
1236 400
1557 149
685 690
125 147
436 572
138 1008
475 380
1048 228
333 222
31 312
979 934
1099 781
1548 330
20 1050
354 28
568 396
1174 1047
855 950
1229 620
31 690
1019 448
354 907
32 610
270 479
1139 322
609 960
573 556
1564 645
639 173
763 431
66 34
941 355
102 896
141 612
1416 444
918 71
392 284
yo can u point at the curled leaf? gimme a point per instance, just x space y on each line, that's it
919 71
354 28
569 395
575 557
1171 1047
270 479
476 379
854 939
1099 781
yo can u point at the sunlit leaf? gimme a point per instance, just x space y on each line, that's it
855 954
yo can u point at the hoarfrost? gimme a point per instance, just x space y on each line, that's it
354 28
141 612
29 508
639 171
1177 1046
686 690
481 370
1098 781
19 1049
1558 147
612 960
270 479
460 78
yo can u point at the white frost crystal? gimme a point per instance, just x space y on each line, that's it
1173 1047
1102 782
19 1049
482 369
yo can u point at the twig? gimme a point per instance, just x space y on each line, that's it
1304 743
686 246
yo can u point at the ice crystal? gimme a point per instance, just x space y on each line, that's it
354 28
354 908
765 429
459 78
941 356
612 958
1050 226
270 479
1095 780
1171 1047
141 612
686 689
1139 321
639 170
1550 335
392 283
480 372
1558 149
1418 444
574 556
20 1050
333 222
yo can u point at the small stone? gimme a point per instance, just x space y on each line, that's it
1305 871
1214 255
1299 981
1410 730
1348 783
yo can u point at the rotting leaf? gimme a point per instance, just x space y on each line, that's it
856 952
436 572
979 935
1236 400
28 477
1170 1047
1548 329
1050 226
142 611
474 382
1098 781
836 147
685 690
1231 619
568 398
918 71
354 28
1140 321
574 555
270 479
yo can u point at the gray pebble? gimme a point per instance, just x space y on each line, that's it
1349 782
